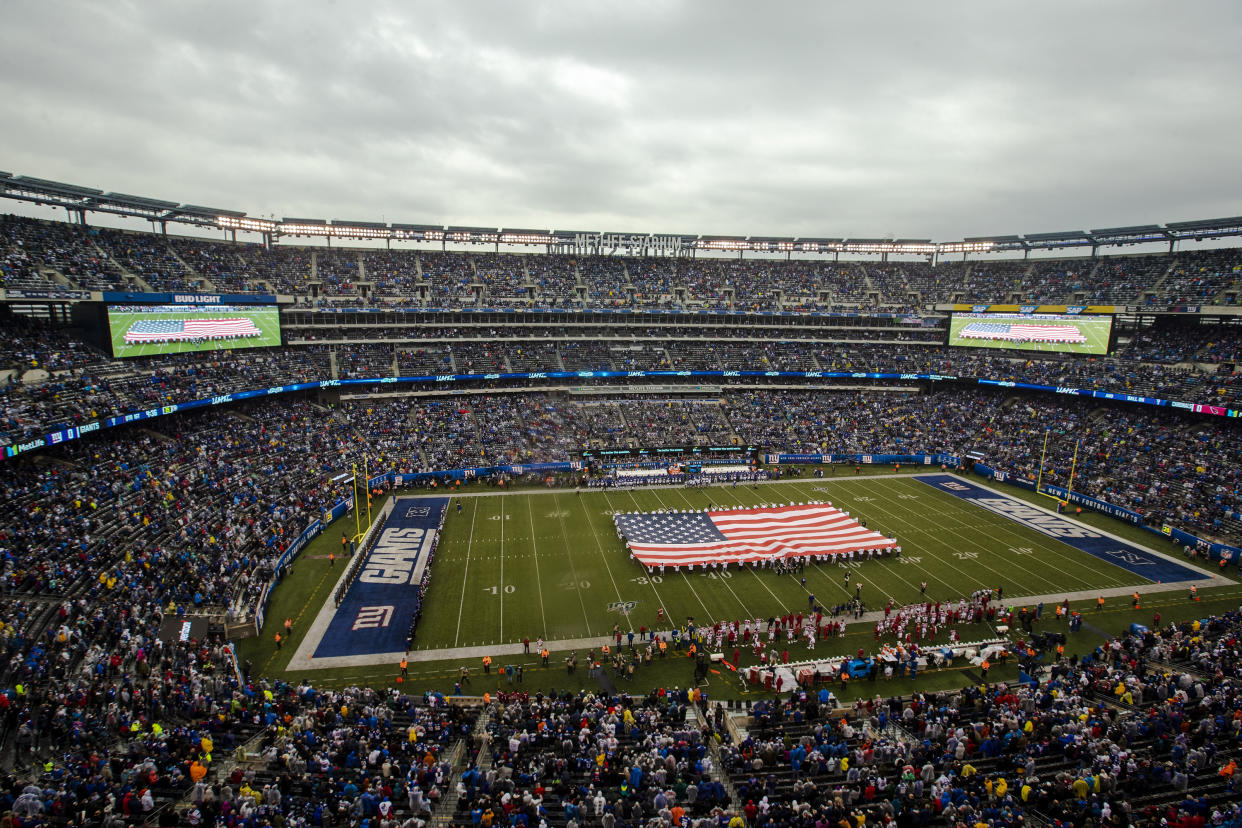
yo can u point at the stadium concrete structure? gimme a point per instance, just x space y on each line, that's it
137 486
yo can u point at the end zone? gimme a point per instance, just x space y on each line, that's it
1137 560
375 615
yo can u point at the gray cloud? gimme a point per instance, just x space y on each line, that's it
916 119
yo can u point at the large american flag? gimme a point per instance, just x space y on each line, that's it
180 330
1023 332
744 535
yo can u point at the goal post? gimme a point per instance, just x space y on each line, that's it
1043 457
359 529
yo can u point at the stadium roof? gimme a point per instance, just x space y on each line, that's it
487 231
1127 231
123 200
994 239
379 225
89 199
1208 224
207 212
417 228
42 185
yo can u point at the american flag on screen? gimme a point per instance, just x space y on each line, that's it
1022 332
181 330
744 535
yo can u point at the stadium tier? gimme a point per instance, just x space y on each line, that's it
47 255
144 558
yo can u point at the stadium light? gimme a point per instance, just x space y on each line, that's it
251 225
527 238
966 247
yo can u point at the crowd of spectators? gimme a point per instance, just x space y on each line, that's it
97 259
123 529
1141 731
1160 455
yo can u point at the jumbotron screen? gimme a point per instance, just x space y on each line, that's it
1032 332
144 330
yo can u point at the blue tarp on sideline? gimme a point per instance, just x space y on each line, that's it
376 613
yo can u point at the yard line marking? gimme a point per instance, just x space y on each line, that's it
465 571
557 501
944 561
650 583
1063 550
930 574
972 542
725 581
710 617
502 569
539 583
573 570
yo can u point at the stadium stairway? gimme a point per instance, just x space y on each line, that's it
55 276
128 275
446 811
718 765
202 280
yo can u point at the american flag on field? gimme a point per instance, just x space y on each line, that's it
1023 332
744 535
181 330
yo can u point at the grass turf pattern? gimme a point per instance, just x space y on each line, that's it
940 527
550 564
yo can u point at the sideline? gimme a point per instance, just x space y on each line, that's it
574 644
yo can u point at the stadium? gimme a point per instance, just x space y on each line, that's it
407 522
521 405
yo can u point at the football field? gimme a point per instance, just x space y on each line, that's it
551 565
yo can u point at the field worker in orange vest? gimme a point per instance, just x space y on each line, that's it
487 665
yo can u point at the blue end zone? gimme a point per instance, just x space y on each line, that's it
380 605
1127 556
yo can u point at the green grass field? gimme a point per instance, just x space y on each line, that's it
266 319
549 564
1096 329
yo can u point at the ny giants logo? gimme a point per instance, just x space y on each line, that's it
372 618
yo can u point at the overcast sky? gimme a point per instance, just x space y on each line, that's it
913 119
